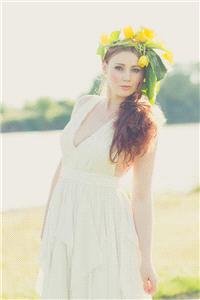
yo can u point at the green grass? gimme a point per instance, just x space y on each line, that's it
179 287
175 248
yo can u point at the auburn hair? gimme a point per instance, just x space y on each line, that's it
137 122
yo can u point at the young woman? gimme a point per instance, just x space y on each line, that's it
96 241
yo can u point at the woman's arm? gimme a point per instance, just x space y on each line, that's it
142 200
53 183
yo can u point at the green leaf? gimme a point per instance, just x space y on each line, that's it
155 45
114 36
151 84
100 51
157 65
157 87
144 86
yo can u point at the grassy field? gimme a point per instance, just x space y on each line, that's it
175 248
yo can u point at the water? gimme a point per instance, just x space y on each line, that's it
30 160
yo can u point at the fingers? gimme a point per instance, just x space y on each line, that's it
149 277
146 287
150 286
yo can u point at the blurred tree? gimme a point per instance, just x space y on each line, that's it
179 94
41 106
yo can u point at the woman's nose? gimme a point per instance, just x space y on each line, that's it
126 75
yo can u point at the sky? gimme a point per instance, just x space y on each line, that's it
48 49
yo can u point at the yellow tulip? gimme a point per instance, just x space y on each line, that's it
128 32
140 37
150 34
168 55
104 39
144 35
143 61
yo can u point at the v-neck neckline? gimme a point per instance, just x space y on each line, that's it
95 104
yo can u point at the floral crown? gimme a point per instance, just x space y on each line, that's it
143 41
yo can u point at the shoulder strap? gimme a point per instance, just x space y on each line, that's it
82 104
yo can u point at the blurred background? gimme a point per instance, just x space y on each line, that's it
48 60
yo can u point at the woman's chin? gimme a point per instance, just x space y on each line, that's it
125 93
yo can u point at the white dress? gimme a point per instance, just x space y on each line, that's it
90 248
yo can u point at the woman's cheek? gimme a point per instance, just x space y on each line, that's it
115 78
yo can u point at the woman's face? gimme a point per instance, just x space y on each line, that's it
122 70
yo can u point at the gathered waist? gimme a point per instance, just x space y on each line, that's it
89 177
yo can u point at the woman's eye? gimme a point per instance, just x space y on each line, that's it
118 68
134 70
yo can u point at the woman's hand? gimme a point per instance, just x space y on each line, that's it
149 277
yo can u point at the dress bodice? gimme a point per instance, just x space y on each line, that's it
92 153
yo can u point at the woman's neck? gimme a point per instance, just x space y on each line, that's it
112 102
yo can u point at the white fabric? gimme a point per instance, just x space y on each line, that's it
90 247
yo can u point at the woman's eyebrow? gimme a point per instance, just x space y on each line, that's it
124 65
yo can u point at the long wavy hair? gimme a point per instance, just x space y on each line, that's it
137 122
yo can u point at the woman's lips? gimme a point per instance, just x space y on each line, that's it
125 87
